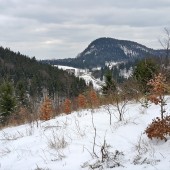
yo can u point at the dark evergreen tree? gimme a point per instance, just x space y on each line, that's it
110 85
21 94
7 101
143 72
91 85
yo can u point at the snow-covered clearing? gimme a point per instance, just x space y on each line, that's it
84 74
67 142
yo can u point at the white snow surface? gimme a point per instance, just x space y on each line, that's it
128 52
126 73
86 75
91 50
77 71
110 64
97 84
66 142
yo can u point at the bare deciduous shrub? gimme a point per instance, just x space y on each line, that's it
8 137
109 111
30 131
38 168
95 133
159 128
139 160
78 130
143 146
145 153
56 142
120 102
106 160
4 151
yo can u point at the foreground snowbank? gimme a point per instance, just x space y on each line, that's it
77 141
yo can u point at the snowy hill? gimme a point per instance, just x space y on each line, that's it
104 50
84 74
77 141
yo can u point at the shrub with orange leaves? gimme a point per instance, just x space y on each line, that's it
157 91
81 101
153 98
158 84
67 106
93 98
159 128
46 109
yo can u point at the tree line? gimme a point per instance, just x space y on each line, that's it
25 81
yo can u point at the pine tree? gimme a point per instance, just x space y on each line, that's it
7 101
109 86
21 94
144 71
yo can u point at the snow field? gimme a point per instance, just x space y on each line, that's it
67 142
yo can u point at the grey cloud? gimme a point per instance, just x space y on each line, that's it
54 28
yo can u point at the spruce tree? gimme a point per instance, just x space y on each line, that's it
7 101
144 71
21 94
109 86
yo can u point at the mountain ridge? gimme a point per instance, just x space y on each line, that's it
106 49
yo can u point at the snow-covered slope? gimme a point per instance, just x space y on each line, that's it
77 71
68 142
126 73
97 84
84 74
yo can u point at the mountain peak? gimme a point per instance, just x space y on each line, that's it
106 49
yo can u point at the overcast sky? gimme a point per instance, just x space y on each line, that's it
49 29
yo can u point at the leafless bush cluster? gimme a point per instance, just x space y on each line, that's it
8 137
78 130
56 142
38 168
4 151
145 153
106 159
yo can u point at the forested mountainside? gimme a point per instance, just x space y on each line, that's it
105 50
34 76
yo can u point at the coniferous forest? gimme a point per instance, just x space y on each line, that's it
24 82
35 77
